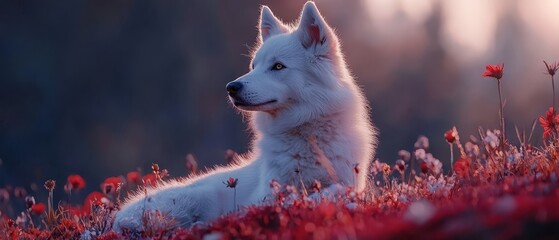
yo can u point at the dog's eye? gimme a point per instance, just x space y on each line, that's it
278 66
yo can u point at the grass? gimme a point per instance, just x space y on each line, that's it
493 190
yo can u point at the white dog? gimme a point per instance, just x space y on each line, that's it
310 121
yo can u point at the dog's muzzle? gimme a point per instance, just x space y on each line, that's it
233 88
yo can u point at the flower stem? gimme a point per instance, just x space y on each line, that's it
503 137
50 213
451 157
553 87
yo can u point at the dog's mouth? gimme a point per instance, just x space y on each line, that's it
243 104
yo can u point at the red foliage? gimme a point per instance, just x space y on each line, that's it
67 229
110 236
35 233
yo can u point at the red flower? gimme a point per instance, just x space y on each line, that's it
495 71
93 199
75 182
150 179
134 177
110 185
155 168
423 166
450 136
231 182
38 208
551 68
549 123
462 167
29 201
400 165
50 184
316 186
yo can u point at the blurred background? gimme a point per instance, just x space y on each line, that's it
101 88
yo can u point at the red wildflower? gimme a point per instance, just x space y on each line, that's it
155 168
134 177
400 165
385 169
50 184
316 186
29 201
150 179
110 185
551 68
450 135
495 71
424 167
462 167
38 208
93 199
231 182
549 123
75 182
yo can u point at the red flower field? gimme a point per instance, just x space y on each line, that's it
493 190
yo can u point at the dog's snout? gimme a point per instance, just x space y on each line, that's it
234 87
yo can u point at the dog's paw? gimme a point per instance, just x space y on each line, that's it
331 193
128 220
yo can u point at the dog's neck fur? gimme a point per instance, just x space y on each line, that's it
289 147
321 125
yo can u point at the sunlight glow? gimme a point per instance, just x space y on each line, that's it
469 26
382 10
542 18
417 10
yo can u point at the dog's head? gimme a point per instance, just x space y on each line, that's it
294 69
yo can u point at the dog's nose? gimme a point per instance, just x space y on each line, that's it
234 87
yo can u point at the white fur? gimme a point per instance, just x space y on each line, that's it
318 117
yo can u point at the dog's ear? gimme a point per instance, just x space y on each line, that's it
313 31
269 24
